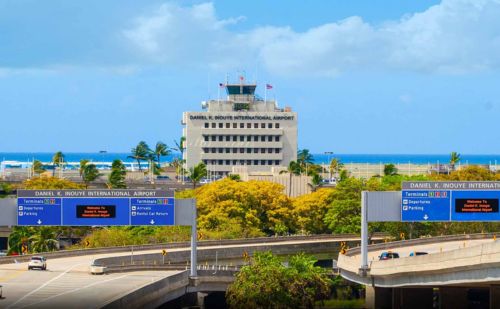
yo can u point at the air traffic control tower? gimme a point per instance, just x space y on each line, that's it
240 130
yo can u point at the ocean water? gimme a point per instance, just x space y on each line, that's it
318 158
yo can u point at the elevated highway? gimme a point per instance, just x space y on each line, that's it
68 280
457 271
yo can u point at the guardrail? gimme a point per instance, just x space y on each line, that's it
204 243
420 241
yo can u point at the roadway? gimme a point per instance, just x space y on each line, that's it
67 281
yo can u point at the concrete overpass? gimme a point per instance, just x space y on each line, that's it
459 272
141 279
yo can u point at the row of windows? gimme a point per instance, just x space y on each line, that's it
241 162
242 125
242 138
241 150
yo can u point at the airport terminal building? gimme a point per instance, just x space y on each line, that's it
242 130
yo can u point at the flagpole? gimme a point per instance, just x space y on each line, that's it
218 94
265 93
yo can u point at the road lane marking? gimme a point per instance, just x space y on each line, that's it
43 285
74 290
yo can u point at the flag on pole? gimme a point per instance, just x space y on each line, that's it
242 78
221 85
269 86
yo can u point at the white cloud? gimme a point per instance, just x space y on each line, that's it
456 36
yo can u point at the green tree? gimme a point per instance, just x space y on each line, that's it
267 283
344 214
292 169
316 182
116 179
235 177
178 164
180 146
140 153
90 173
454 159
197 172
304 158
390 169
161 150
43 239
20 235
335 167
57 160
38 167
83 163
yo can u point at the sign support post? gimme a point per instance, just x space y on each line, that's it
194 236
364 234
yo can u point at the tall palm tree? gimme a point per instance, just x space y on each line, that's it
161 150
304 158
90 173
197 172
180 146
454 159
83 163
43 240
178 165
116 179
38 167
335 166
57 160
292 169
140 153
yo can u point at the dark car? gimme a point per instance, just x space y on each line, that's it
415 253
388 255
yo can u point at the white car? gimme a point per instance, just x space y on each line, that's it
37 262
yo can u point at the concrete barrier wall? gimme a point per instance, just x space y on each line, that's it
159 247
154 294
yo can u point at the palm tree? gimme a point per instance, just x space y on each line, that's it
335 166
304 158
57 160
43 240
161 150
83 163
292 169
316 182
197 172
20 235
90 173
178 164
140 153
116 179
454 159
38 167
180 146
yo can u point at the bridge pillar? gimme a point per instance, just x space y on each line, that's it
412 298
369 297
495 296
453 298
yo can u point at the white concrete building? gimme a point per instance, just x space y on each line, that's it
241 130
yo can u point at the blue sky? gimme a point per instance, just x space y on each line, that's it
387 76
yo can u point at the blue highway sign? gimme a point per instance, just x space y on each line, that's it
95 207
450 201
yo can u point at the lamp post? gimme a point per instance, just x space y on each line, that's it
329 153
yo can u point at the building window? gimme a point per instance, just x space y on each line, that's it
242 150
205 137
242 138
228 138
249 138
213 138
270 138
263 150
262 125
255 162
277 162
206 124
278 150
263 138
256 150
269 125
235 150
228 150
213 125
205 162
235 125
277 138
228 162
249 125
235 138
220 125
214 150
263 162
220 162
256 138
270 162
234 162
205 150
249 150
256 125
277 125
228 125
242 125
220 138
249 162
242 162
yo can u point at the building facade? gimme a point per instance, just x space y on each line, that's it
241 130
